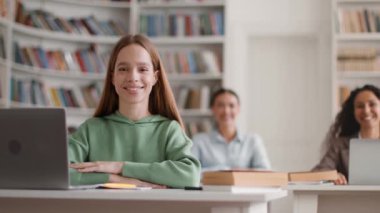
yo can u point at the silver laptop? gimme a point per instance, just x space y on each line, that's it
33 149
364 162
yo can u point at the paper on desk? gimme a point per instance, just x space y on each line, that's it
325 183
240 189
111 186
122 186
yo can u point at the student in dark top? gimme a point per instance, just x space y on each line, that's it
358 118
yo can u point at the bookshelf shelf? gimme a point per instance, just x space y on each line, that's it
29 31
194 77
360 74
163 5
356 2
79 111
195 113
16 104
71 111
189 40
355 47
41 33
57 73
88 112
358 37
96 3
196 58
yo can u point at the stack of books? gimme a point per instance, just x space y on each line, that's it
243 180
257 181
315 177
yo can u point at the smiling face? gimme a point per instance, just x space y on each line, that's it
367 110
134 76
225 109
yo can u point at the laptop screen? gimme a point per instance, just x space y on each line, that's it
364 162
33 149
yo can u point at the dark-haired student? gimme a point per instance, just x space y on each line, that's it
225 147
136 135
358 118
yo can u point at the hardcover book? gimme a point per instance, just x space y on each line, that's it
313 176
245 178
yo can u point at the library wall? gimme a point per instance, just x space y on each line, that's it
304 25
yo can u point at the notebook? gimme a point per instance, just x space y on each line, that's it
364 161
33 149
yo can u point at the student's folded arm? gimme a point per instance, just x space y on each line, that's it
179 169
78 152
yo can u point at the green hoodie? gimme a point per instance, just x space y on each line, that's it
154 149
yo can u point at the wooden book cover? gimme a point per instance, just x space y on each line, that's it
311 176
245 178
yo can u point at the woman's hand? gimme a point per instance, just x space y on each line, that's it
120 179
111 167
341 180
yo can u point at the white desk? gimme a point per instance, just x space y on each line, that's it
157 201
323 199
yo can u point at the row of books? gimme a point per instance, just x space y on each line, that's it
189 61
254 178
358 59
358 20
359 64
89 60
84 25
357 53
192 97
180 24
86 60
35 92
195 127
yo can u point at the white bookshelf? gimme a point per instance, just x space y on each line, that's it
195 77
196 40
362 74
97 3
184 4
40 33
351 33
196 113
68 42
358 37
64 75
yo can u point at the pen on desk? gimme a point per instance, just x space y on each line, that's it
193 187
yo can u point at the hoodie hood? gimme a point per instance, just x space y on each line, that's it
118 117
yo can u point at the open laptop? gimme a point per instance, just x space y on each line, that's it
33 149
364 162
